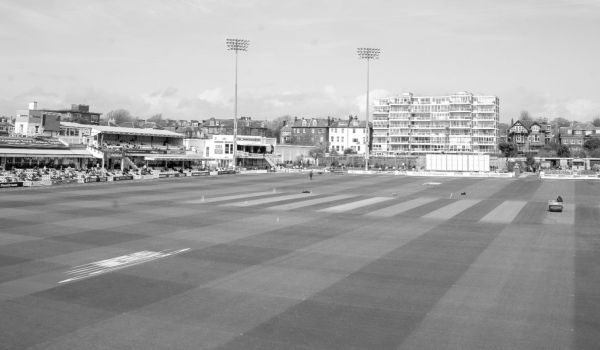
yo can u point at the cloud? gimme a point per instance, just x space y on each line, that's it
579 109
361 100
214 96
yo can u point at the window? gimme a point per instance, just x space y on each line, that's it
331 138
338 139
342 138
304 131
312 131
37 129
358 148
354 130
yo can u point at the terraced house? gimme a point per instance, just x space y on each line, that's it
311 132
458 123
348 134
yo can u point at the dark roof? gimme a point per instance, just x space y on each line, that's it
320 123
348 123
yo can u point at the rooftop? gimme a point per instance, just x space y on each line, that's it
119 130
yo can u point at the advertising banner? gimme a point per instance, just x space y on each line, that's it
96 179
11 184
200 173
123 178
63 181
163 176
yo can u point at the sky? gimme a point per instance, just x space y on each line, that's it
170 57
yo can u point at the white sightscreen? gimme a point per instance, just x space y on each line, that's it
457 162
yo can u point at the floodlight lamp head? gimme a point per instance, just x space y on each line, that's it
368 53
237 44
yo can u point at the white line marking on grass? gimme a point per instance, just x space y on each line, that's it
118 263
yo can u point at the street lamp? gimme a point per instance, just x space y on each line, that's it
368 54
236 45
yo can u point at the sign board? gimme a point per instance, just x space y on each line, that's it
123 177
96 179
11 184
164 176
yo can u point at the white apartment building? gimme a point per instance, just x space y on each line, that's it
347 133
458 123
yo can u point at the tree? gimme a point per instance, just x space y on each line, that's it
316 153
508 149
563 151
119 116
561 122
157 118
274 126
596 122
530 161
549 149
591 144
594 154
525 118
349 151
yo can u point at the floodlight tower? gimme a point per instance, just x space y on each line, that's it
368 54
236 45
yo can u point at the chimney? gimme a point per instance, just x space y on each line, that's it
33 106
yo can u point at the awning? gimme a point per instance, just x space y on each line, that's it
252 143
45 153
174 157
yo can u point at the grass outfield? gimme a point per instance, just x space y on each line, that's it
275 261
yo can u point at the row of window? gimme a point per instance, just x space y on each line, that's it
341 149
572 141
335 130
312 131
337 139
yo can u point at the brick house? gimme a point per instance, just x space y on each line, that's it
311 132
529 137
